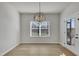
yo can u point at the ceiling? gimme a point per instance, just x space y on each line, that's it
46 7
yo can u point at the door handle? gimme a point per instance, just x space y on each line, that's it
76 37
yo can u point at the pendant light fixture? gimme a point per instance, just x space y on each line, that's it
39 16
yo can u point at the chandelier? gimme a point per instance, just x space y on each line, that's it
39 16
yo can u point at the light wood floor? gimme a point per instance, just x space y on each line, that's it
39 50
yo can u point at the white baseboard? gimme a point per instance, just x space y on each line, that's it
9 49
40 42
61 44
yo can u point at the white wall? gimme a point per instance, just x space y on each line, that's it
25 29
9 27
68 12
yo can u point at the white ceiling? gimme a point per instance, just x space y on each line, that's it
46 7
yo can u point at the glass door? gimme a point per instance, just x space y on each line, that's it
70 30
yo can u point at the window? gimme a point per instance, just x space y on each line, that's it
39 29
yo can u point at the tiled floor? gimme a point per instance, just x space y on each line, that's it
39 50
